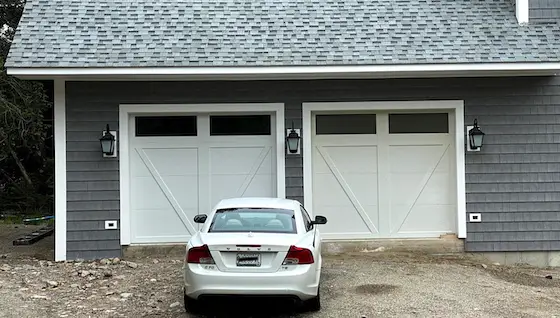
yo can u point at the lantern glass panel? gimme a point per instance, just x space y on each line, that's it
108 144
293 142
477 140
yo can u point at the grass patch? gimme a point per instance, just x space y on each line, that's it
19 219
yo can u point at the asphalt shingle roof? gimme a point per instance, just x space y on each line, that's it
122 33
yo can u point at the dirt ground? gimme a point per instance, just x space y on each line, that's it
359 284
43 249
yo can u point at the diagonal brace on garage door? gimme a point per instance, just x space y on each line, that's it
163 186
346 188
253 172
422 186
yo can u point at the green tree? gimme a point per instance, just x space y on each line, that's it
10 14
25 169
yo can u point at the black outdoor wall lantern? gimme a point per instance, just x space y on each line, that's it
108 143
476 137
293 140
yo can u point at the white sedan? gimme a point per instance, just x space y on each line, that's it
255 247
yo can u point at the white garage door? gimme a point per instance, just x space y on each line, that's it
183 165
384 174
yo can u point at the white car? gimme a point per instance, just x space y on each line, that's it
255 247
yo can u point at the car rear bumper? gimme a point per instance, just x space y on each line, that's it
301 281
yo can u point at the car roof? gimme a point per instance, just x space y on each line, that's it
277 203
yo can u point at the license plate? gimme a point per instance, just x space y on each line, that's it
248 259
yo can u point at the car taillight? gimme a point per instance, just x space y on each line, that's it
200 255
298 255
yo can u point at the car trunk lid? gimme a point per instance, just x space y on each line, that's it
249 252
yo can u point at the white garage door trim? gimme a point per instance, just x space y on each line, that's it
125 110
453 105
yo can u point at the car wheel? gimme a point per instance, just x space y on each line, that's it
191 305
313 304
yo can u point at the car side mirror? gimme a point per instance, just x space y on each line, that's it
319 219
200 218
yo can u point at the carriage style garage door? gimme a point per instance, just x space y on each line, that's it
384 174
183 165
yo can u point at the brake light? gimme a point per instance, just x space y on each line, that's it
200 255
298 255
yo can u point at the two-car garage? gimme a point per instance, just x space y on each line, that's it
373 172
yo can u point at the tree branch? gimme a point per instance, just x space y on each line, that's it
21 167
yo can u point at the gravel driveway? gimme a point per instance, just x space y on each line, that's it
359 284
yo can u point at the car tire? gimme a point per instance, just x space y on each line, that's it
313 304
191 305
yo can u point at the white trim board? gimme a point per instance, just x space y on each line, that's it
60 194
453 105
522 11
125 110
288 72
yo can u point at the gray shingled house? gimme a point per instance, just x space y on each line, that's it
362 110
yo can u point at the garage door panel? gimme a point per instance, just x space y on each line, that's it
170 162
402 185
224 186
345 214
423 176
339 140
330 191
241 172
432 218
241 160
342 175
327 190
363 186
159 225
346 159
437 191
137 166
180 161
261 185
418 139
147 194
416 158
184 190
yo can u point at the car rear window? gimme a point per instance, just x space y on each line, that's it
264 220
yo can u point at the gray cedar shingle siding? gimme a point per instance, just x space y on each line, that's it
92 184
294 163
125 33
544 11
514 181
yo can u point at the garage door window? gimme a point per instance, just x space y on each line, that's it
424 123
165 126
345 124
236 125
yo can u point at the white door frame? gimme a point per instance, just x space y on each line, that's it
451 105
125 110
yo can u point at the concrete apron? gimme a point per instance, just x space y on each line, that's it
536 258
444 244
